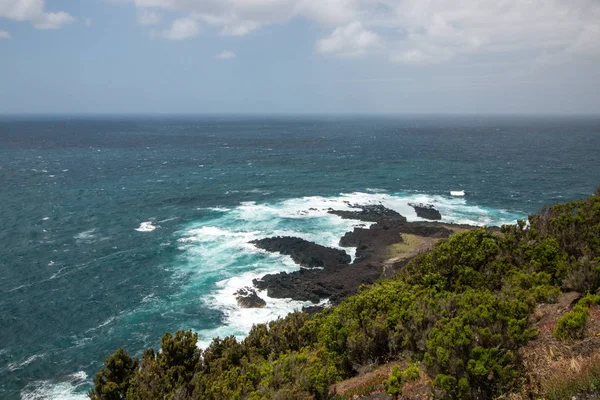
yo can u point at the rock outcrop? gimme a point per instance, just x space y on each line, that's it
248 298
369 213
303 252
426 211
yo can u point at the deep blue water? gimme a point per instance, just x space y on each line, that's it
115 230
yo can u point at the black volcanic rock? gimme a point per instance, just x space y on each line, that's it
426 211
337 278
303 252
248 298
315 285
300 285
369 213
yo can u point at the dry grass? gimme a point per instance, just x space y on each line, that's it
577 375
410 246
556 370
348 387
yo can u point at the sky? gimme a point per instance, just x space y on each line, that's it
299 56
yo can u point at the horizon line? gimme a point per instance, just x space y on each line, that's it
288 114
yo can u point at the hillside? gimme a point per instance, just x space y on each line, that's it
484 314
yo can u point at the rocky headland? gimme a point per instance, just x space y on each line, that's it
381 249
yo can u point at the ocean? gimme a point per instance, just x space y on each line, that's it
115 230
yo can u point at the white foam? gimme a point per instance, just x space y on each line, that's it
457 193
218 209
375 190
146 227
67 389
237 320
168 219
86 235
103 324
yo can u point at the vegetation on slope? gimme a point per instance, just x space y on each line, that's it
461 310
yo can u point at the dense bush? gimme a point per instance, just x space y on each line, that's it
462 309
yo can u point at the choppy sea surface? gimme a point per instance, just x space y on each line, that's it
116 230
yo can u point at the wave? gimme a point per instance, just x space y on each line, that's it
376 190
15 366
68 388
19 287
218 209
88 235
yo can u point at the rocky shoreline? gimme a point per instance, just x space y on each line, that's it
329 274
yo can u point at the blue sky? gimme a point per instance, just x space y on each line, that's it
299 56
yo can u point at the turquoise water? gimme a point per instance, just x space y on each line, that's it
117 230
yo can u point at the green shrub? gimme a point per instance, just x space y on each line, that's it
572 324
411 373
393 385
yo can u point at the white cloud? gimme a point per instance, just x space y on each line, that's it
225 55
241 17
52 20
182 28
148 17
239 28
33 11
407 31
349 41
436 31
328 12
5 35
